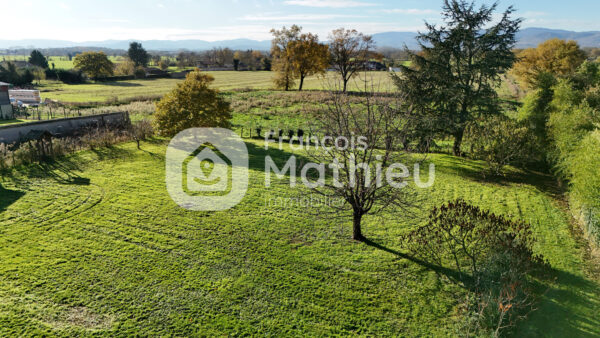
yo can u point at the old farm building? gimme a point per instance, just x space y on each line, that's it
6 110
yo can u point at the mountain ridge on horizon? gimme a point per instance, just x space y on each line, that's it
528 37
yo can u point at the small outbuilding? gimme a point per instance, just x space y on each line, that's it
6 109
25 97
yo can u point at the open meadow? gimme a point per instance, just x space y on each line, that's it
224 80
93 244
194 179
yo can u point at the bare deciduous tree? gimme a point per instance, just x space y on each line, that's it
359 148
349 51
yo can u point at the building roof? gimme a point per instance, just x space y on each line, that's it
4 84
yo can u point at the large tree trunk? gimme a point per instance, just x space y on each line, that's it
301 83
356 229
458 137
345 85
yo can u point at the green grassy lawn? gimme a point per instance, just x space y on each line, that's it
103 91
60 62
92 244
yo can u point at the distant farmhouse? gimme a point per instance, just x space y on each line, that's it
374 65
25 97
6 110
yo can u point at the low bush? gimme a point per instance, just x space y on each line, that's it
491 256
501 141
139 73
141 130
71 76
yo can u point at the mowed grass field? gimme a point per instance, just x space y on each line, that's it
226 80
93 244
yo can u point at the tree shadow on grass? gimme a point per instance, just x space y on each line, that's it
8 197
111 152
63 171
257 155
479 173
450 273
569 308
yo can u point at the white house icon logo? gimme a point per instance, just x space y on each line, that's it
207 169
206 172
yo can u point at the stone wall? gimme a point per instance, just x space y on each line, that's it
13 133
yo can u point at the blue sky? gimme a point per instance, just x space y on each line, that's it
87 20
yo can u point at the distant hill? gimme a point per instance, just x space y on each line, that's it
528 37
396 40
159 45
531 37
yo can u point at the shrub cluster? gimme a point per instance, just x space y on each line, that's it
565 114
18 77
489 255
66 76
501 141
12 155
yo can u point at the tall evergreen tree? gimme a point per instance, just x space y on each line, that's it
138 54
453 79
38 59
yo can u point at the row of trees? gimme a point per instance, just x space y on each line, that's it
222 57
19 77
561 108
297 55
97 64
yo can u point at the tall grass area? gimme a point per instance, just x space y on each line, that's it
93 245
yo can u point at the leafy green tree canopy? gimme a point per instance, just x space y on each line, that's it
192 104
94 64
557 57
282 61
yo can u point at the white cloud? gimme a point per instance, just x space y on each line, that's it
295 18
328 3
411 11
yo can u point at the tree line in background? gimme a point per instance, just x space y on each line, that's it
297 55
